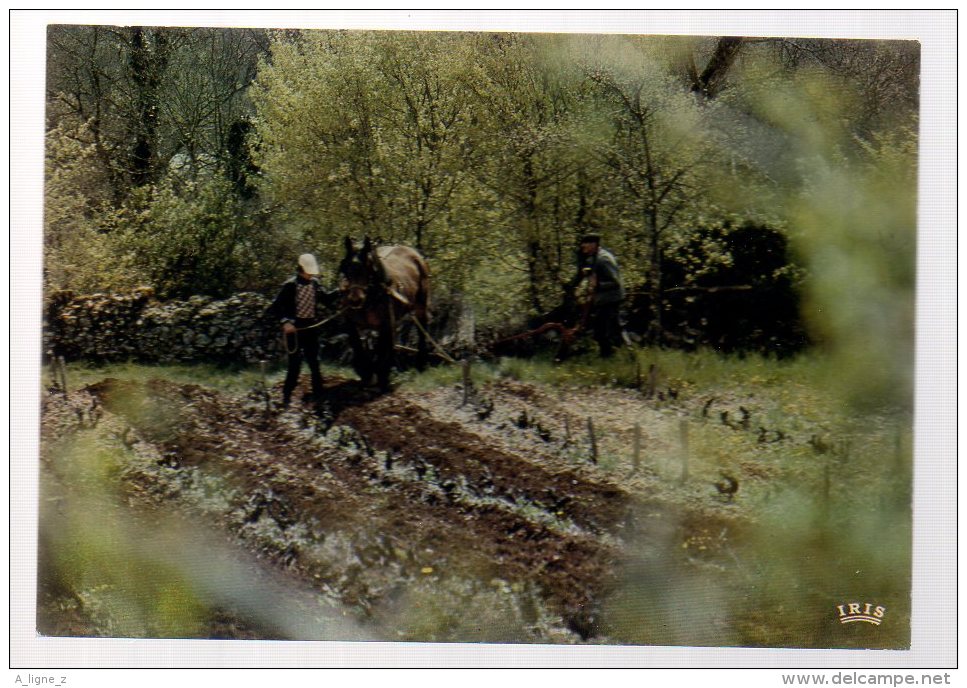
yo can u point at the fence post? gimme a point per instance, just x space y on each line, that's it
63 374
465 365
594 441
53 368
636 459
652 380
265 385
683 437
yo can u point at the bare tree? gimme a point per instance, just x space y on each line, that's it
712 78
149 95
885 74
655 173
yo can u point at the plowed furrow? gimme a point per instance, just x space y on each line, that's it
415 494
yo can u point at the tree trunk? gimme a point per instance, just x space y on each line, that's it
533 241
655 294
149 56
533 274
713 76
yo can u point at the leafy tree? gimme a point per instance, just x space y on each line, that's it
207 105
78 254
148 60
734 288
538 189
198 238
656 144
490 152
85 75
365 134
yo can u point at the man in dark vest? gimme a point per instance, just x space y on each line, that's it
601 269
295 306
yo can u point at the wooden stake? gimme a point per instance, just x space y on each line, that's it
652 380
636 459
465 365
265 386
53 369
594 441
683 436
63 374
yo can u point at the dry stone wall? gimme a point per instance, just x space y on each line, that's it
133 326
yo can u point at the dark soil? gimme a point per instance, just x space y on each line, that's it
420 500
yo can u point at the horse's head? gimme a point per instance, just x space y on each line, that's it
359 272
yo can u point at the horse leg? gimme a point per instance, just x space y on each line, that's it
384 356
361 363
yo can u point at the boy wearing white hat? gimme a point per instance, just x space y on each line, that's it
296 306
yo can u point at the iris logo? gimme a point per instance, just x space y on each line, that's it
856 611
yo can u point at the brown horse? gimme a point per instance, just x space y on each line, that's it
379 287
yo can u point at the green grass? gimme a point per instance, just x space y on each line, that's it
230 379
701 371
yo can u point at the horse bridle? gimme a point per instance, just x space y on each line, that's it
371 290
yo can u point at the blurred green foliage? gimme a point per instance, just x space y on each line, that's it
856 224
88 565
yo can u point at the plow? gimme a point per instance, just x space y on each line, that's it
569 321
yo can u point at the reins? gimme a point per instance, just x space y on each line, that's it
393 294
285 337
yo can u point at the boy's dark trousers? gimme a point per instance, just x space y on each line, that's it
304 344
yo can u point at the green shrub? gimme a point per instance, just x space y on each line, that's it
199 238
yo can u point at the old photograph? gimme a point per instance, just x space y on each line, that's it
504 337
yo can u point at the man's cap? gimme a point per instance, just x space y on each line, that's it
591 239
308 263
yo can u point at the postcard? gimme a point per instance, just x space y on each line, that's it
566 336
